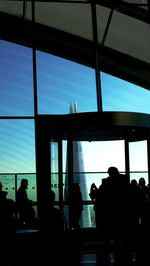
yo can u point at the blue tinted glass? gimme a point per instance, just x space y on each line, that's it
16 82
120 95
17 146
62 82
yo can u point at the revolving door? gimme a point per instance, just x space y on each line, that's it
61 142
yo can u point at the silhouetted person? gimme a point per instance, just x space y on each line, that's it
3 194
75 205
52 227
7 212
56 217
24 205
119 186
145 210
7 227
94 193
112 206
102 213
134 214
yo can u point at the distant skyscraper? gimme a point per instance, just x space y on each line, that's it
79 175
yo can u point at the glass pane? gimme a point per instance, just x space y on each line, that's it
88 216
55 185
54 169
17 146
8 182
64 147
16 80
61 82
98 156
120 95
138 156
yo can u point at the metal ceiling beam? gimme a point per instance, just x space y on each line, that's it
130 9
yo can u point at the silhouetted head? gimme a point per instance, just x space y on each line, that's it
142 182
113 171
3 195
133 183
24 183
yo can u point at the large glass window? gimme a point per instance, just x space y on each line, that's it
16 80
62 82
120 95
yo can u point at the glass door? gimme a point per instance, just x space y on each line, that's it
76 148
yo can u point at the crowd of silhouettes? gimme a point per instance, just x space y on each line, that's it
122 212
122 207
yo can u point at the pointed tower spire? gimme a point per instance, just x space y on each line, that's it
73 108
78 169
